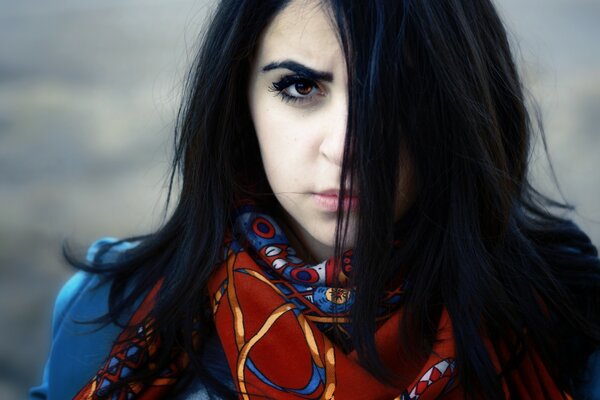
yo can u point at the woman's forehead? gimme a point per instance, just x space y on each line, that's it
304 31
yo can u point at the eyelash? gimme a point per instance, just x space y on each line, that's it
285 82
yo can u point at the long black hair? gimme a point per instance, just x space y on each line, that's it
438 79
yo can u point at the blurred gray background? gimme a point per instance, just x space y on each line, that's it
88 95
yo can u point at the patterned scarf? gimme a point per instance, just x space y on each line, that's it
273 313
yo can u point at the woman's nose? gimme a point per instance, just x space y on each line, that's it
334 133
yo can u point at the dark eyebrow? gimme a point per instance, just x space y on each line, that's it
300 70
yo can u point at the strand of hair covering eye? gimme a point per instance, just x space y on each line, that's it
272 312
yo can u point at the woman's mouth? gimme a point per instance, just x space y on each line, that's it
329 201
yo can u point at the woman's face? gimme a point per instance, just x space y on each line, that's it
298 99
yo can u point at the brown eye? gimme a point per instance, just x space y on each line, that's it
304 88
297 89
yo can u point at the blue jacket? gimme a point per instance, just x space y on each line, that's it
79 350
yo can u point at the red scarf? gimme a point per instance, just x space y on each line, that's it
272 312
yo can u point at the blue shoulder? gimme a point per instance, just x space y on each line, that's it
105 250
79 349
79 346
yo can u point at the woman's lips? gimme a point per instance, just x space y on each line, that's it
329 201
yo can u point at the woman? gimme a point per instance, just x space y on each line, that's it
354 220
